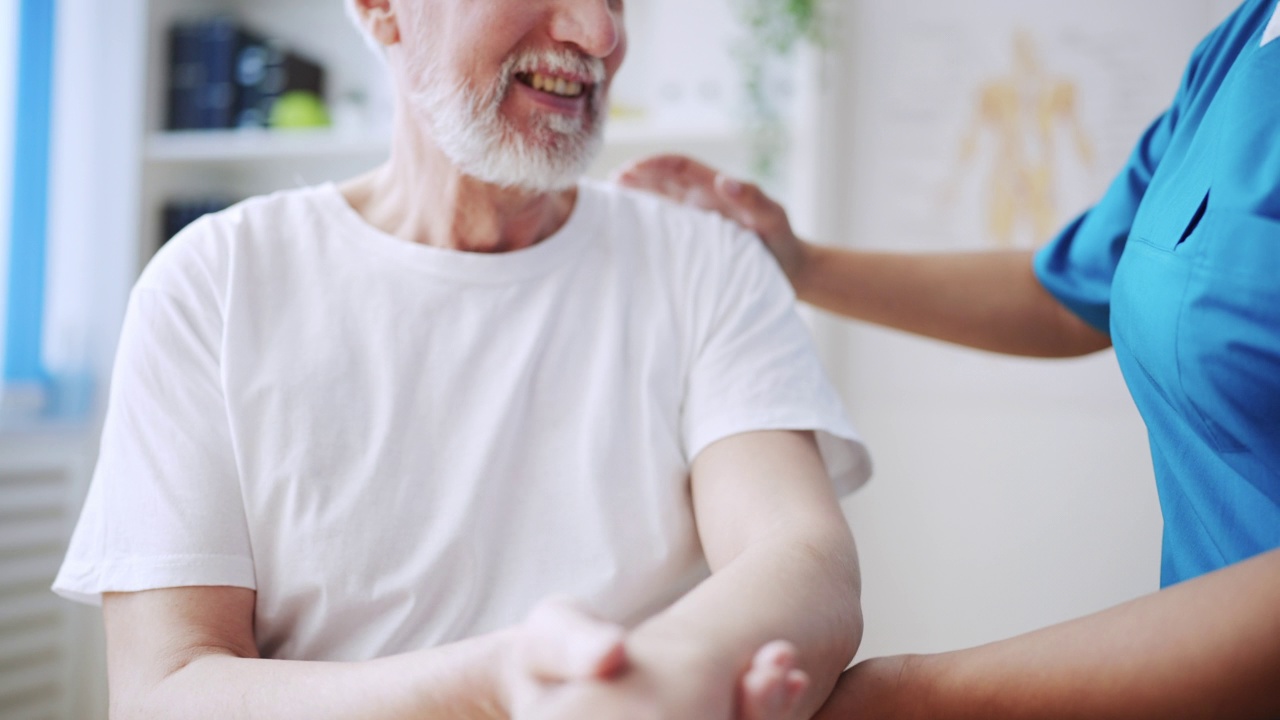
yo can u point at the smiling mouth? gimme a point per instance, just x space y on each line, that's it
553 85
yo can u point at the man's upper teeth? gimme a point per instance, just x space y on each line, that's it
556 85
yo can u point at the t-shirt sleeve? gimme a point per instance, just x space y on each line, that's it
755 366
1078 266
164 507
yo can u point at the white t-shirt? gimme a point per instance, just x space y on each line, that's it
398 446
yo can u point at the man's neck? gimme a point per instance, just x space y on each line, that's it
418 195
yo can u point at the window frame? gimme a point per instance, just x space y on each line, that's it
29 193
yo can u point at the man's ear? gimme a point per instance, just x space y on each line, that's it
379 18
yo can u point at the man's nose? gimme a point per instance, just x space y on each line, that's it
594 26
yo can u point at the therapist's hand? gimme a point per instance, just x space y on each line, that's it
688 181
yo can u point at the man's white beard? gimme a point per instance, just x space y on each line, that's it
470 130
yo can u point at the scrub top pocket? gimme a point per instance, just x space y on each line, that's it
1168 224
1229 334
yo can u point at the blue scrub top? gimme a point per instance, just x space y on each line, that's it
1180 264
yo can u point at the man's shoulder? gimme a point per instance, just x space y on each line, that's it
660 224
696 252
616 198
271 210
202 252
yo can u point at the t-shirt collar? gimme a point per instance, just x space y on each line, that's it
1273 30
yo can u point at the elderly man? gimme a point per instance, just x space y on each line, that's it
358 434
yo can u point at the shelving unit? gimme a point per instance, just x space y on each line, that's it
192 147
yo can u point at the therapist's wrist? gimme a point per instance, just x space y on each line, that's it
899 687
806 260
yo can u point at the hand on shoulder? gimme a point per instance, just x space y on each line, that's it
690 182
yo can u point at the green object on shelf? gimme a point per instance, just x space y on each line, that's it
298 109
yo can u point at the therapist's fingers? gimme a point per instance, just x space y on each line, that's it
563 642
754 210
676 177
688 181
751 208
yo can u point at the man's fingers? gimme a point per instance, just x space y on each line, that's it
797 682
777 654
764 694
772 685
563 642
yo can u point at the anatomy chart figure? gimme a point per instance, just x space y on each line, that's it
1021 114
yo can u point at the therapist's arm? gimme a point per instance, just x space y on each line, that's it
1207 649
783 566
189 653
987 300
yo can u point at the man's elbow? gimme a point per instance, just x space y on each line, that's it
835 559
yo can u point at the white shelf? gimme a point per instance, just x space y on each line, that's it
213 146
640 132
231 146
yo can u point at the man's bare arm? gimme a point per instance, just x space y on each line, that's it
782 558
189 653
784 567
1206 649
987 300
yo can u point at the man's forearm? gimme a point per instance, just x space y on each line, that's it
1208 648
801 590
451 682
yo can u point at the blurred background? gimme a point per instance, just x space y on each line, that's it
1008 494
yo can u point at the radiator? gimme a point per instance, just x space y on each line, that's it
40 489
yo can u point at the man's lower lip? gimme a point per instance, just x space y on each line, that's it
558 102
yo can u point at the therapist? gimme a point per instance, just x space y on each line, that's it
1178 268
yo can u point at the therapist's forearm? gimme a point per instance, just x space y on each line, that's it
986 300
1206 649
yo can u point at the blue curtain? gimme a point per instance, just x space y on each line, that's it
30 193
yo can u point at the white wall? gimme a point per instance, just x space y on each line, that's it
1009 494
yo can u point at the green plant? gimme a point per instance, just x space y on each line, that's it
778 25
774 29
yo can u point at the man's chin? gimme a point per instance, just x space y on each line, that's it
541 168
527 179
